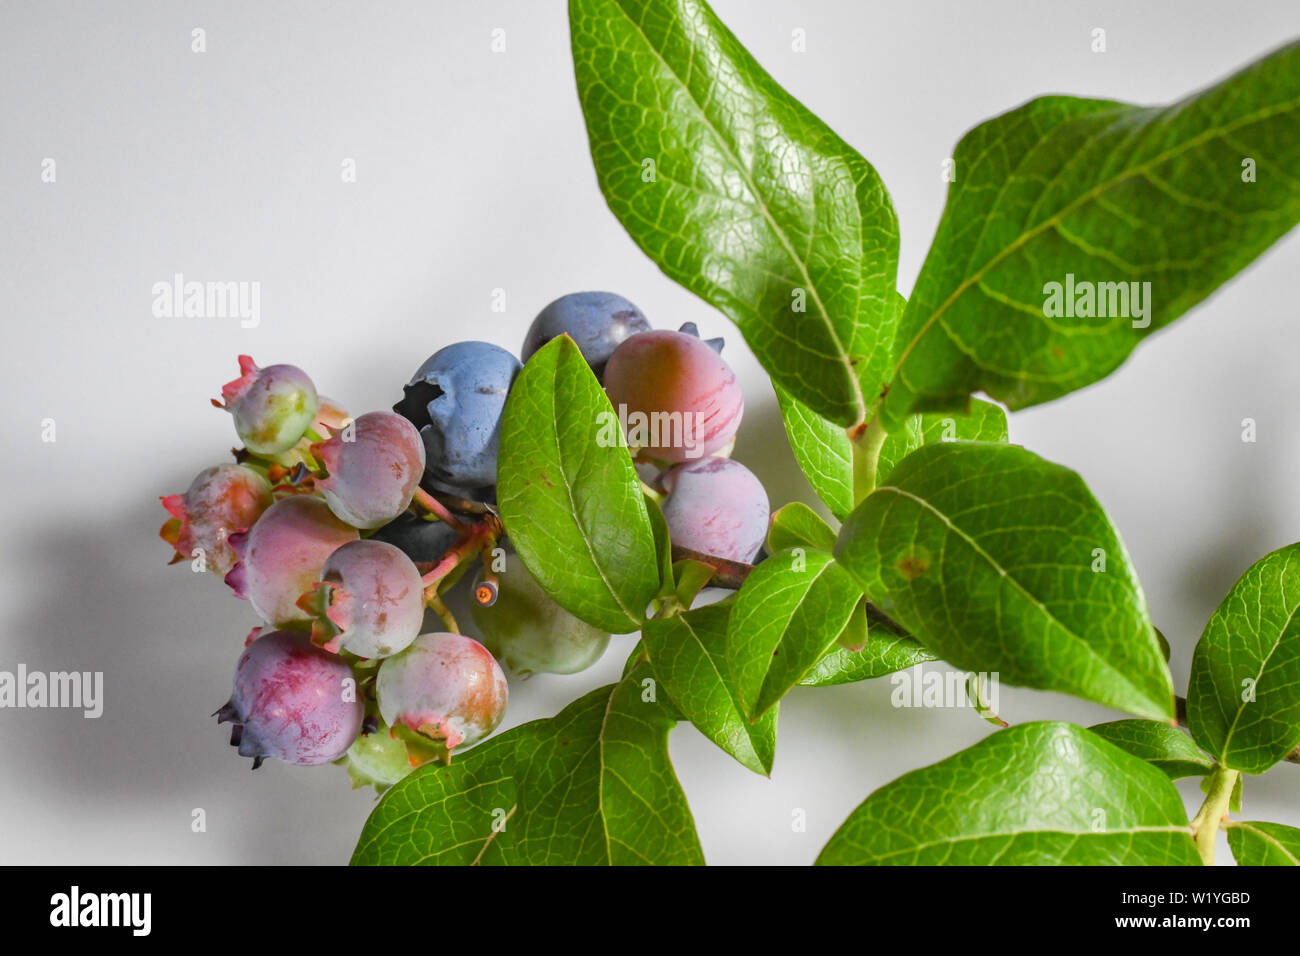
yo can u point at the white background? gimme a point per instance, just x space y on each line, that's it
473 174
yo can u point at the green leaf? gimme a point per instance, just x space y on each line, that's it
688 655
1158 744
798 526
742 195
823 451
990 557
1042 794
457 815
1263 844
1105 192
592 785
597 787
663 545
983 421
1243 698
788 614
570 501
888 649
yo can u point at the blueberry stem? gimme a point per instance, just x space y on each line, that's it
440 608
441 511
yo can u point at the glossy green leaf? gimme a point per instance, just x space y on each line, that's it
788 614
823 451
688 655
592 785
455 815
742 195
1103 192
598 787
570 501
888 649
1041 794
1264 844
983 421
663 545
999 561
797 526
1243 698
1158 744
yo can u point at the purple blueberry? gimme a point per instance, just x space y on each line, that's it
455 399
292 701
598 322
716 506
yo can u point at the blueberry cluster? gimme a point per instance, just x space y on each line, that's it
345 535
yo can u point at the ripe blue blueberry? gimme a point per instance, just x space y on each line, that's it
598 322
455 399
424 542
690 328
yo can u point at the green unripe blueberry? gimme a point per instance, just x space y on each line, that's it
273 407
531 633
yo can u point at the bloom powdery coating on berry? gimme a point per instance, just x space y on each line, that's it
374 467
370 600
676 396
446 686
221 501
598 322
455 399
716 506
533 634
281 556
292 701
272 406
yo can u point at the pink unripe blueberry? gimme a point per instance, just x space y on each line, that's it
718 507
372 593
221 501
445 686
272 406
282 555
374 467
678 399
292 701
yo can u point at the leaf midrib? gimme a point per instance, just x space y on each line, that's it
1263 666
573 505
1088 196
1046 831
1122 678
722 682
1267 838
752 186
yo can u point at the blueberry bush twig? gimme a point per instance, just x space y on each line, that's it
590 481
